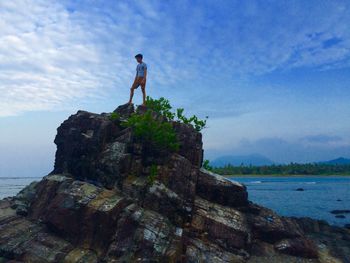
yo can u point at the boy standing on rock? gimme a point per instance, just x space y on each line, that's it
140 79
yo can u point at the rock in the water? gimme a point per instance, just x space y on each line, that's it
114 198
340 216
337 212
269 227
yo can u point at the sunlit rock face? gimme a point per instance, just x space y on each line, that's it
99 205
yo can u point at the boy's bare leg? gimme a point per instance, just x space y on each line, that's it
131 95
132 89
143 88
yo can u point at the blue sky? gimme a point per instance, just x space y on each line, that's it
273 76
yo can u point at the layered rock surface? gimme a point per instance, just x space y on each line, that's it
98 205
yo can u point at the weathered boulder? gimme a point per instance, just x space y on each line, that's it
191 145
114 198
225 226
297 247
24 198
80 142
26 241
218 189
168 203
82 213
125 110
204 251
268 226
144 236
180 176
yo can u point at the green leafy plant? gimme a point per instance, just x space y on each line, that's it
155 127
161 106
153 131
206 165
197 123
153 174
114 116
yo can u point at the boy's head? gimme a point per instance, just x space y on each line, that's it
139 57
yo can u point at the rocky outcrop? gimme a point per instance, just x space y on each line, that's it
100 204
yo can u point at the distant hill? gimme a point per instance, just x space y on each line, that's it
236 160
340 160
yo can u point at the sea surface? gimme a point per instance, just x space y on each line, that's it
320 196
10 186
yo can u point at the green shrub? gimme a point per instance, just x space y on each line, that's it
160 134
160 106
153 174
194 121
206 165
163 107
159 131
114 116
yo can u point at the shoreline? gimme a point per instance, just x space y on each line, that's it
284 175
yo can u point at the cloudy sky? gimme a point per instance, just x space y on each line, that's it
273 76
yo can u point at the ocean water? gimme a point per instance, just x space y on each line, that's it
321 195
10 186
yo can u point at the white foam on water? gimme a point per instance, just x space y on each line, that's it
255 182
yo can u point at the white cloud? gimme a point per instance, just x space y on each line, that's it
42 53
55 53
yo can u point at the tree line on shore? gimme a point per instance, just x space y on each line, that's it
281 169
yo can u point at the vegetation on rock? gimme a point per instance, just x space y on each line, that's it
114 116
153 130
206 165
152 174
155 125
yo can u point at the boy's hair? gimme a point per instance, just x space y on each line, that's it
139 56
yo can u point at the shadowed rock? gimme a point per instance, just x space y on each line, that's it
218 189
100 205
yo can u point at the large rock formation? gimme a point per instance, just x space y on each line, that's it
99 205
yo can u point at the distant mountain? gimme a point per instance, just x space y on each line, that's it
236 160
340 160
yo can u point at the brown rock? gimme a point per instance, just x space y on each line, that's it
300 247
190 143
101 204
225 226
79 211
270 227
80 141
203 251
218 189
143 235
